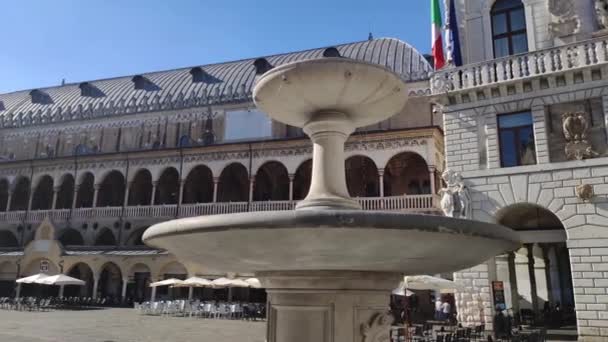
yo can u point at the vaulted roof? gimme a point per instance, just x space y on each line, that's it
229 82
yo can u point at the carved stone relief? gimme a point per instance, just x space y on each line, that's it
378 329
565 21
584 192
601 13
575 127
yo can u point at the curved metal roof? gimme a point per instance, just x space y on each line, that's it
229 82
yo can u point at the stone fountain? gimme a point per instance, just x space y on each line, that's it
328 266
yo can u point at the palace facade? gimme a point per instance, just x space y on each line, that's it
85 168
526 126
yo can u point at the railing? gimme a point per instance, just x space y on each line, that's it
516 67
412 203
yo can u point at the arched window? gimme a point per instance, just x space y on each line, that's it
509 28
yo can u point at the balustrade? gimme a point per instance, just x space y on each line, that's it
531 64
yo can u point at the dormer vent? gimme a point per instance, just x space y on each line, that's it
198 75
40 97
142 83
262 66
331 52
89 90
2 106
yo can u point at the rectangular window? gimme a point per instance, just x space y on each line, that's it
247 125
516 139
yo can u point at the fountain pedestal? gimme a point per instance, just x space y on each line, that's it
325 306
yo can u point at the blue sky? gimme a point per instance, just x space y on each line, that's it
44 41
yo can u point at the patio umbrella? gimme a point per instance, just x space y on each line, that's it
254 283
31 279
425 282
403 292
167 282
221 283
61 280
194 282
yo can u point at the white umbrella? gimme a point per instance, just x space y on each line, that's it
425 282
403 292
254 283
239 283
60 279
31 279
221 282
194 282
167 282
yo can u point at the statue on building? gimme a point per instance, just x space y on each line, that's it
455 196
601 13
208 136
575 127
564 21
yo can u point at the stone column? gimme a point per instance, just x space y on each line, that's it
540 134
127 191
251 184
153 294
30 199
324 306
522 274
190 292
432 180
123 294
216 181
55 192
291 178
18 291
503 274
75 196
381 181
61 289
95 284
513 284
181 191
554 276
532 275
541 276
95 194
8 201
153 197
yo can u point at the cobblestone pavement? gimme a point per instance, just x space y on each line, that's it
122 325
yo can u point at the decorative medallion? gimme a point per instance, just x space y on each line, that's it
584 192
575 128
565 21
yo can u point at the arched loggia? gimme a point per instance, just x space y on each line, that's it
112 190
43 194
140 192
21 193
301 180
234 184
86 191
167 189
406 174
362 177
65 196
198 187
271 183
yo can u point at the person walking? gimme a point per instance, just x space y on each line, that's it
438 309
446 309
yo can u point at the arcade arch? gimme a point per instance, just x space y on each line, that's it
140 191
111 190
43 194
234 184
198 187
271 182
362 177
406 173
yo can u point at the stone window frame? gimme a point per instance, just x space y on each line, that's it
516 131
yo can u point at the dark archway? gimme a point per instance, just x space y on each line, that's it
406 174
138 288
110 283
140 192
71 237
135 238
8 239
271 183
112 190
84 272
86 191
199 186
21 194
362 177
301 180
167 188
234 184
43 194
4 186
105 238
65 196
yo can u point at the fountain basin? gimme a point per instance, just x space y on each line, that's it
351 240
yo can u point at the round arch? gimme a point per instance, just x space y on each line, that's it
167 188
406 173
362 177
8 239
173 269
110 282
65 196
82 271
111 190
528 217
234 184
70 237
139 287
198 187
105 238
135 238
86 191
301 180
140 192
271 182
4 187
21 193
43 194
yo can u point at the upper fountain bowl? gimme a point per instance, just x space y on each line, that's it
365 93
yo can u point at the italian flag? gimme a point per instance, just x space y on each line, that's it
438 57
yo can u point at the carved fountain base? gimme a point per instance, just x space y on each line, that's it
324 306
